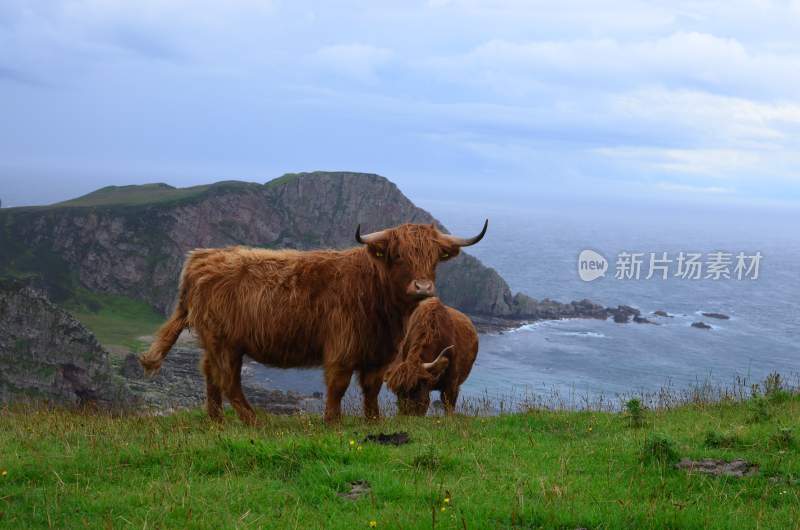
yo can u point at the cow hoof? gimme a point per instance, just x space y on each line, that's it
250 421
332 420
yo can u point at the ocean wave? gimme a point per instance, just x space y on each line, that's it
590 334
528 327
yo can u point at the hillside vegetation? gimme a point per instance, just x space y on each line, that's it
537 469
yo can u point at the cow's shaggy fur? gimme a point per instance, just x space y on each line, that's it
343 310
421 367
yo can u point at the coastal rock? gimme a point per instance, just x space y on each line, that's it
47 355
662 313
642 320
718 316
526 308
180 384
700 325
623 313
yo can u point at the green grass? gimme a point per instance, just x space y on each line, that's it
115 320
529 470
142 194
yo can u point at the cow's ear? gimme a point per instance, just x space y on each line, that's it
437 368
449 251
377 250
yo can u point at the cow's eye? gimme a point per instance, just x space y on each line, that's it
379 254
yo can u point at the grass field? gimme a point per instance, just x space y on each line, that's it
539 469
115 320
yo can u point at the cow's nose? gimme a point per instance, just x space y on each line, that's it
424 287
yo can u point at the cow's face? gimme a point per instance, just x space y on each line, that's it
412 380
414 404
410 253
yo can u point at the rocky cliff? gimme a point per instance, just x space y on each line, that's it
47 355
132 240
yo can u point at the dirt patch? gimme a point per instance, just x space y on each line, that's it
709 466
395 438
358 489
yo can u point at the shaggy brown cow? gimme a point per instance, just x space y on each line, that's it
437 353
343 310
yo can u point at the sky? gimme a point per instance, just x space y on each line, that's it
695 101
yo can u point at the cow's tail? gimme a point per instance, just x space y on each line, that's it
167 335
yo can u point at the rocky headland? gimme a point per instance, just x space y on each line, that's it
130 242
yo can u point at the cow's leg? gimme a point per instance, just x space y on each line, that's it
213 391
233 389
371 383
337 380
449 397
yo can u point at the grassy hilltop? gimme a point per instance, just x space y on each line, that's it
539 469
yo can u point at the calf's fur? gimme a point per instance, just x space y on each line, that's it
421 366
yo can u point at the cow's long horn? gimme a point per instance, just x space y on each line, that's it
465 242
430 365
369 238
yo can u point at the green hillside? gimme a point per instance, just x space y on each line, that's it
538 469
144 194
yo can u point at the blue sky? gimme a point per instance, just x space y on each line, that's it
679 101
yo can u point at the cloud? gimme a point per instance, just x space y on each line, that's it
692 190
18 76
682 59
357 61
714 163
580 93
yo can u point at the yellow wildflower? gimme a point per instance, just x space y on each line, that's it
373 524
4 473
447 500
352 442
444 509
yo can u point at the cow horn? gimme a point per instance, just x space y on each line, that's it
465 242
369 238
430 365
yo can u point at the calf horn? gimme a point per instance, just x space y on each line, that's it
430 365
369 238
465 242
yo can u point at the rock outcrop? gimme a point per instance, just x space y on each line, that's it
718 316
132 240
622 314
180 384
47 355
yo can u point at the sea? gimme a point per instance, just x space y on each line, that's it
580 363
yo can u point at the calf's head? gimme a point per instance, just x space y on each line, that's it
412 380
410 253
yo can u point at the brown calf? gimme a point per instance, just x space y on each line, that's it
437 352
343 310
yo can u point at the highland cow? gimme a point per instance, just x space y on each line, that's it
340 309
437 353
